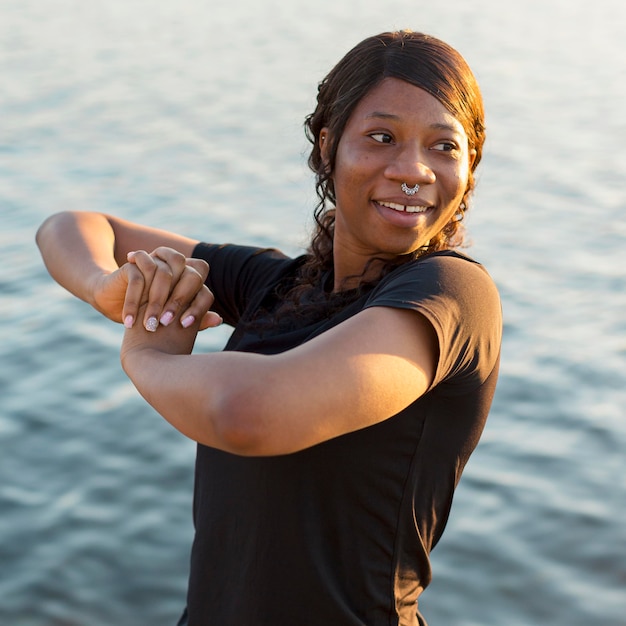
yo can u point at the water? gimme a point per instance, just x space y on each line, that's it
188 116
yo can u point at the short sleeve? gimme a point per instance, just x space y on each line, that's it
459 298
238 273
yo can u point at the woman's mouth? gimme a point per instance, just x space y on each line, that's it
403 208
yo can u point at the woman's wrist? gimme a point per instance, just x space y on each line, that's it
166 340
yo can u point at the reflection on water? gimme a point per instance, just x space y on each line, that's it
190 117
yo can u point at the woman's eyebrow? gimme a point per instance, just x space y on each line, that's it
391 116
442 126
382 115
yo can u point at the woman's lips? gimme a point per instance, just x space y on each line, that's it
403 208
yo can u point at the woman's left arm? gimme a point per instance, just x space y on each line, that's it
356 374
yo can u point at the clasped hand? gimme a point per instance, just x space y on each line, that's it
160 287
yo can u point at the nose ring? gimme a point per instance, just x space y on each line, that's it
409 191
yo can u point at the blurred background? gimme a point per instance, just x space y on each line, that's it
188 115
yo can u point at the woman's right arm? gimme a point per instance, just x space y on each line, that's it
87 254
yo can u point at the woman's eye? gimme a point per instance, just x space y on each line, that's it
445 146
382 137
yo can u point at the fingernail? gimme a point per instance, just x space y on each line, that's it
152 324
128 321
130 255
166 318
217 317
188 321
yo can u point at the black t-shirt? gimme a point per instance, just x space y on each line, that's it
339 534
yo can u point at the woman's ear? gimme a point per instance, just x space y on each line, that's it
472 157
324 145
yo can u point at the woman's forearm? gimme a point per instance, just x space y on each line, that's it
77 249
364 370
88 254
192 392
216 399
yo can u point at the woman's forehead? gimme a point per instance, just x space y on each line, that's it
399 101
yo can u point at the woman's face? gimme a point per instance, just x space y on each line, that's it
397 134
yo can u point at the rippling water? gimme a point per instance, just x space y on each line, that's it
188 116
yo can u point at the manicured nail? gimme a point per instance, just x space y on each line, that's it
166 318
130 255
188 321
152 324
129 321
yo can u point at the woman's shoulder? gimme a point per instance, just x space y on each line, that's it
241 274
456 294
238 252
447 271
235 261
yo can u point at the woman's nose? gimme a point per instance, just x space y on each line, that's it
411 166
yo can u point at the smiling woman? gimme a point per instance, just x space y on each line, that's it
397 134
334 427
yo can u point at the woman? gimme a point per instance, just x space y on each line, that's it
334 427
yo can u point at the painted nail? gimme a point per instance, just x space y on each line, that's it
188 321
166 318
129 321
152 324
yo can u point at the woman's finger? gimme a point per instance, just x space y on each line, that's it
201 266
171 284
159 276
210 320
189 286
174 259
199 309
134 294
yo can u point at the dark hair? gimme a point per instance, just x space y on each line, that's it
419 59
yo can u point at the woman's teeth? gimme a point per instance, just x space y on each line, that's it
404 208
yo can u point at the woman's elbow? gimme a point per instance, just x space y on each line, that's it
239 426
250 414
45 227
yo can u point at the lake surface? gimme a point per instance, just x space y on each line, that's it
188 116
